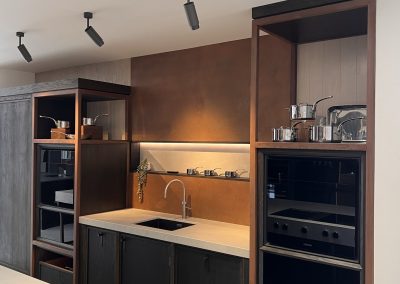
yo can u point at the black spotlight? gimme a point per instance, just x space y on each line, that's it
91 31
192 15
25 53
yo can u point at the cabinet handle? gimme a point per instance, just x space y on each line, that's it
207 262
101 235
123 242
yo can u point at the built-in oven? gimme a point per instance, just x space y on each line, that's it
312 202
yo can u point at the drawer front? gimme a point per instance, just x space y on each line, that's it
54 276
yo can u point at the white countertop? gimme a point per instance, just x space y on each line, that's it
210 235
9 276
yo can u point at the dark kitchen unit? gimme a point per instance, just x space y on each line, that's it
74 174
311 216
113 257
312 203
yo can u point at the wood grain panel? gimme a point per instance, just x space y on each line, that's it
333 68
214 199
193 95
102 177
15 183
274 85
113 124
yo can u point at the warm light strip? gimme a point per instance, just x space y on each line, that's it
196 147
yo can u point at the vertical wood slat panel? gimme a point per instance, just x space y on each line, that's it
334 67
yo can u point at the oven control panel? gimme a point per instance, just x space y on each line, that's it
316 231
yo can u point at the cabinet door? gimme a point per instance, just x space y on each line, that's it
102 258
205 267
192 266
227 269
145 261
15 181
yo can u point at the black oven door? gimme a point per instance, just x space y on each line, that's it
312 202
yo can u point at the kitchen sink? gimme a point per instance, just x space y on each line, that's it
164 224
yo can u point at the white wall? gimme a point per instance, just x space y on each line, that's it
387 166
12 78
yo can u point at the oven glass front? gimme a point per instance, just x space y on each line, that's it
313 202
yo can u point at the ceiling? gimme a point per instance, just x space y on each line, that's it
56 39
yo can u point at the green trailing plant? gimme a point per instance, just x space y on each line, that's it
142 170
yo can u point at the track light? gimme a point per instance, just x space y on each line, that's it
91 31
192 15
25 53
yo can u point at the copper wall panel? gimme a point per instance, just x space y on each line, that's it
194 95
215 199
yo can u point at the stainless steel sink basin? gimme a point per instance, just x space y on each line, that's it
164 224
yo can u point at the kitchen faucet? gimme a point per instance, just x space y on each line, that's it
184 207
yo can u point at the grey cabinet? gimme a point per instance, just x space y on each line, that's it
145 261
102 256
15 181
197 266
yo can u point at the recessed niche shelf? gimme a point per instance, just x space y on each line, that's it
198 176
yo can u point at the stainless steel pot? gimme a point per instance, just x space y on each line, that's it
58 123
322 134
92 121
328 133
285 134
234 174
305 111
193 171
210 173
351 132
231 174
340 133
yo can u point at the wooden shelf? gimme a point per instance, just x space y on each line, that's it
56 209
44 178
362 147
199 176
103 141
53 248
54 141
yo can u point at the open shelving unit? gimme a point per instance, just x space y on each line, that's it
75 177
276 37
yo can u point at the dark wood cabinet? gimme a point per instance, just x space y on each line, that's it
15 181
228 269
192 266
140 260
145 261
201 266
102 256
